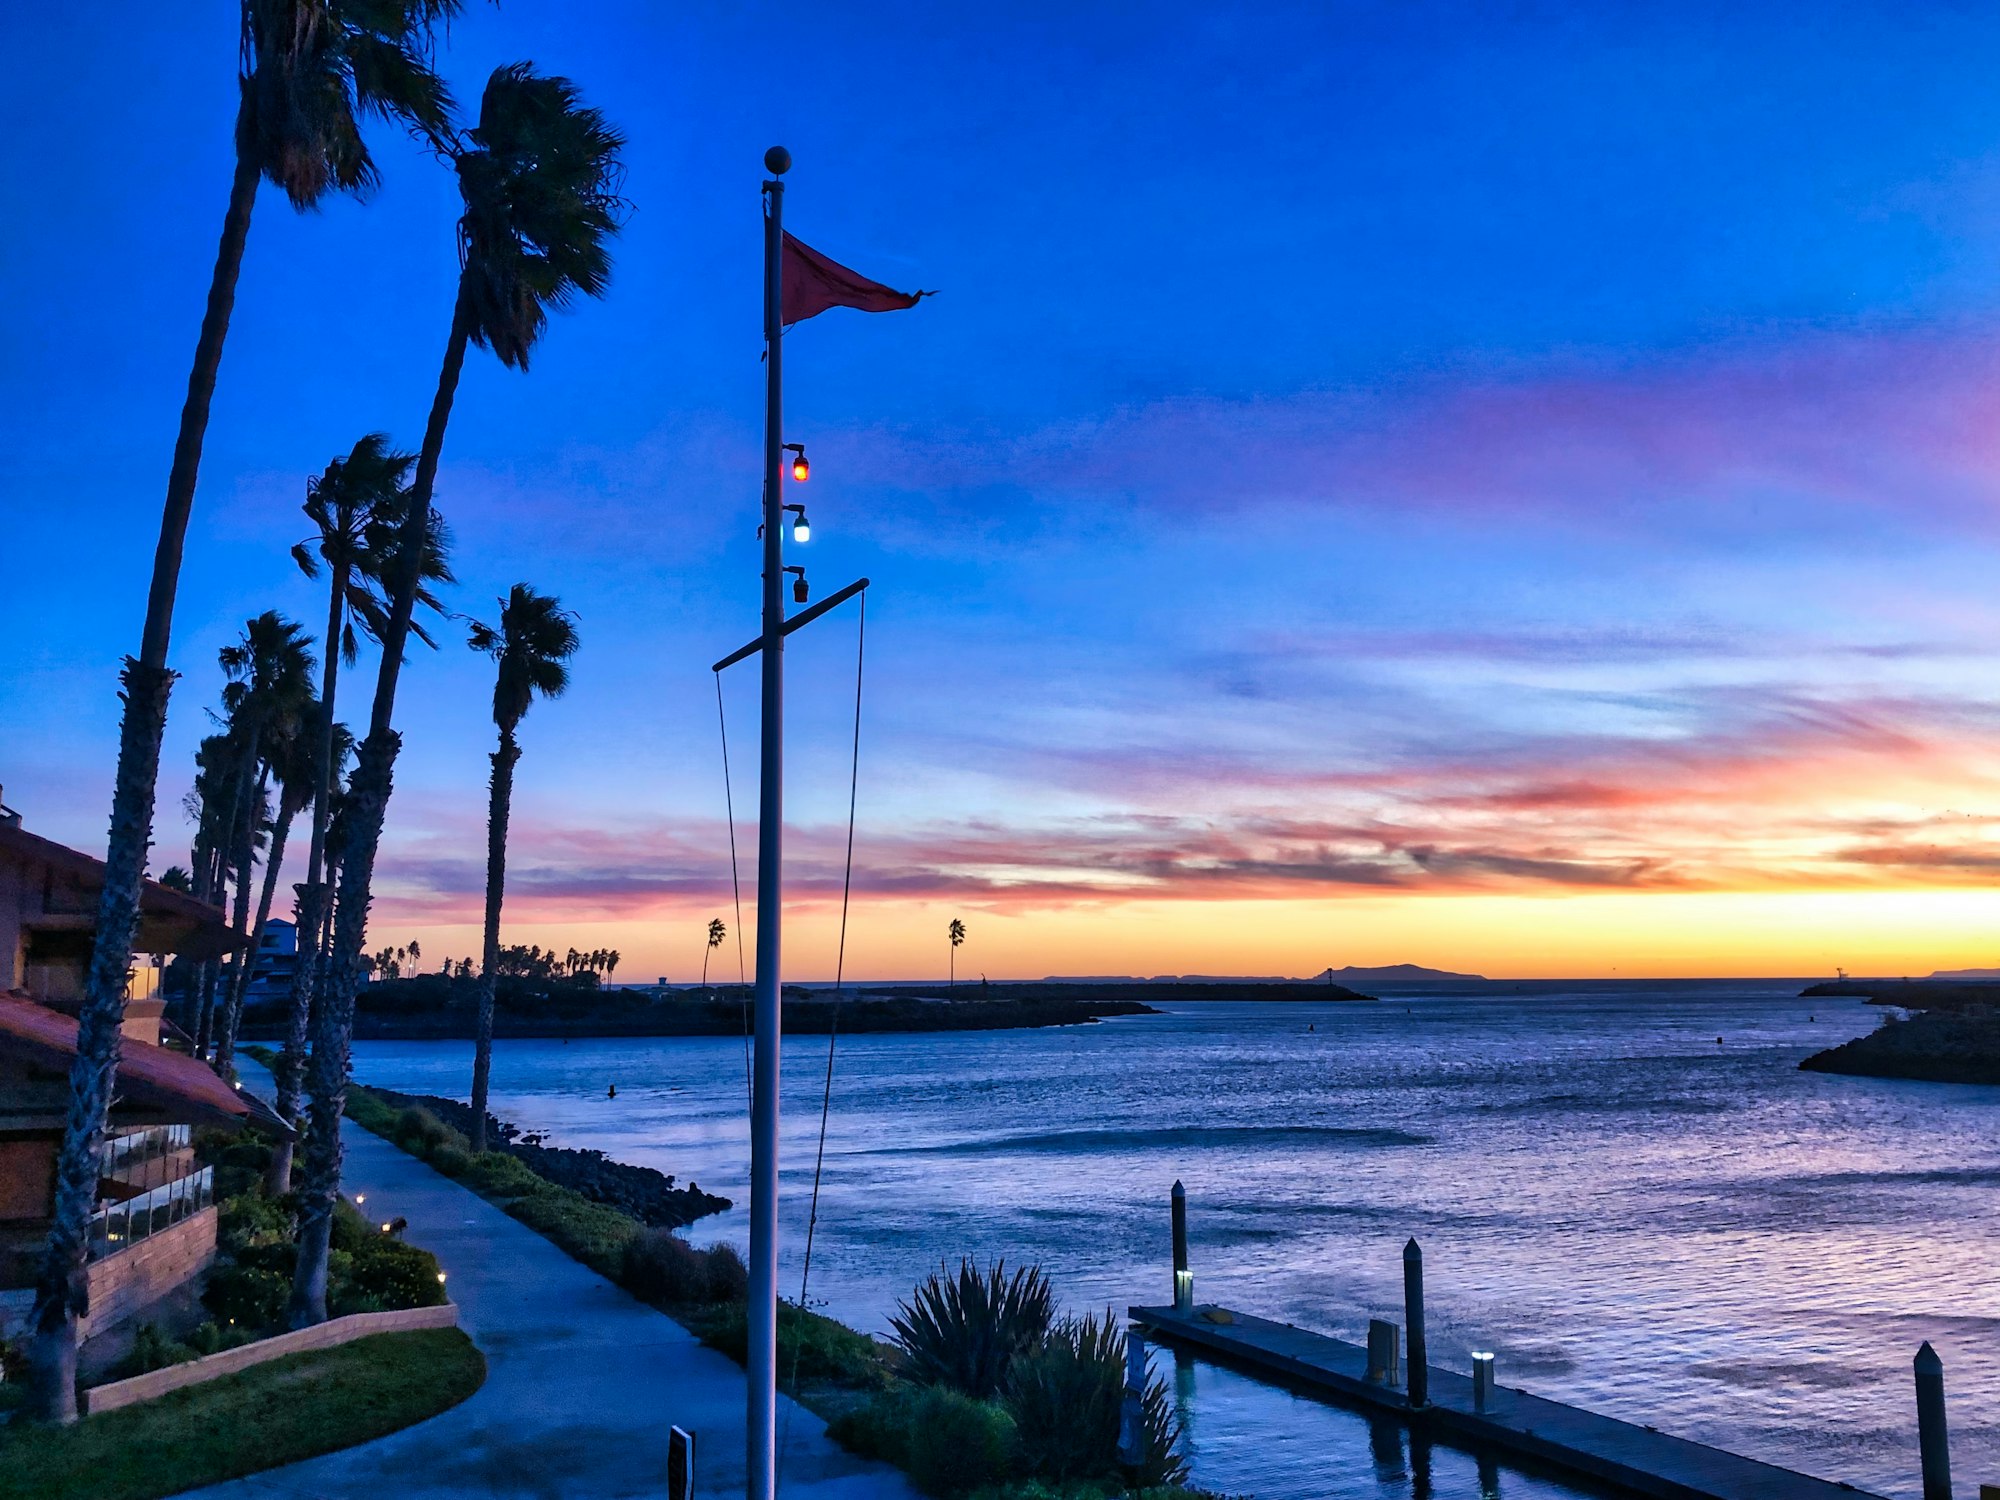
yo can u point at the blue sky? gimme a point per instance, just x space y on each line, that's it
1504 490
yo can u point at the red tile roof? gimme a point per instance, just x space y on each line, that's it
170 921
150 1076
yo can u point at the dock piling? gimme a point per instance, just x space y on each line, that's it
1482 1379
1183 1277
1413 1319
1384 1352
1933 1445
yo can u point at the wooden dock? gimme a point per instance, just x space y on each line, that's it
1601 1448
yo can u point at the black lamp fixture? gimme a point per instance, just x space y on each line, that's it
800 593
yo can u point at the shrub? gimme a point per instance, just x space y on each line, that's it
966 1331
955 1444
420 1132
241 1159
247 1296
660 1266
810 1347
212 1338
451 1161
1067 1400
499 1175
151 1350
350 1230
370 1111
252 1220
391 1274
588 1231
879 1428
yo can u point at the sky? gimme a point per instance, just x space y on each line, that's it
1503 488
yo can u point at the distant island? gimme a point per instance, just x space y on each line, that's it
1951 1036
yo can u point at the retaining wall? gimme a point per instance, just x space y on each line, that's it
320 1336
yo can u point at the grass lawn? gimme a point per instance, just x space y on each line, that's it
276 1413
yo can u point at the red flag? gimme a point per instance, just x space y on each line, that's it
812 284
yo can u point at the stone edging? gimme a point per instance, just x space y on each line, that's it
320 1336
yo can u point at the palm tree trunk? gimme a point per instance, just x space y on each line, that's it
310 907
368 803
499 804
243 842
63 1292
225 1045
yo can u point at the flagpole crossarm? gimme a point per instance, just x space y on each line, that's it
802 618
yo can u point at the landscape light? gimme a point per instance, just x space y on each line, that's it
440 1278
385 1228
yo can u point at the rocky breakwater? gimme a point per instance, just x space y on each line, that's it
1936 1046
648 1195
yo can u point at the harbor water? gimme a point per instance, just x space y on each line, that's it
1632 1195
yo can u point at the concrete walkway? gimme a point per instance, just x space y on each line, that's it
582 1380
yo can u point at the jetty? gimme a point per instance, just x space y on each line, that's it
1603 1448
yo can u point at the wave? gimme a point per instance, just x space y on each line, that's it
1077 1142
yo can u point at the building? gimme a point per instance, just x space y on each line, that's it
270 986
153 1230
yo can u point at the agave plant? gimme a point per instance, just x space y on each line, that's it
966 1331
1067 1399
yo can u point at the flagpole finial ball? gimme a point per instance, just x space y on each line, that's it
778 161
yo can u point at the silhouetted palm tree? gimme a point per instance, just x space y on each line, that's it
267 698
309 70
539 178
716 933
532 644
956 932
357 507
292 761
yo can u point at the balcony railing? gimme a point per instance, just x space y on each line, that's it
124 1153
119 1225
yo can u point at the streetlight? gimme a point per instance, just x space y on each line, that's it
801 528
801 470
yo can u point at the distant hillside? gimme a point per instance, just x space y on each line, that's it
1096 992
1398 974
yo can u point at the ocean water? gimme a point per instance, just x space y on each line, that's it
1635 1198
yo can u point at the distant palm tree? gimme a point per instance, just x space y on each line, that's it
357 507
716 933
292 762
308 71
533 643
539 179
956 932
268 698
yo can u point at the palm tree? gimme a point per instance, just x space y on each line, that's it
716 933
291 760
956 932
532 644
356 506
268 699
539 177
308 71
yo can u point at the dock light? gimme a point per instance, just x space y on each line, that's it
801 470
1482 1379
1184 1291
